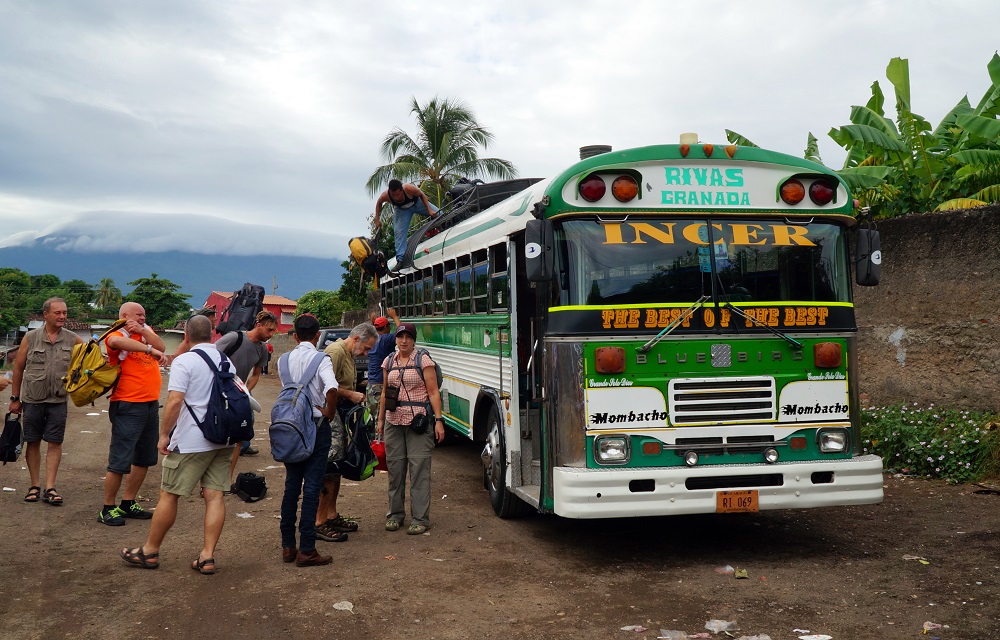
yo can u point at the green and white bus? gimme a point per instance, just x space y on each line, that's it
660 330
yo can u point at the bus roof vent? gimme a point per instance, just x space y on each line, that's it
594 150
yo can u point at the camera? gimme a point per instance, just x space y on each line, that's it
391 398
419 424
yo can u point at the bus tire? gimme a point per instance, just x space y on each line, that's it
505 503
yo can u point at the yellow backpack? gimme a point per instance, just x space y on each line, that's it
90 375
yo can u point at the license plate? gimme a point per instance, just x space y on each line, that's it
743 501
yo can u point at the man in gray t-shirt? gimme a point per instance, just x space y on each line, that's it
248 352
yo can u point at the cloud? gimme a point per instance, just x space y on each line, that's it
125 232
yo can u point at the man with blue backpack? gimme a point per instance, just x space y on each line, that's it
206 413
300 436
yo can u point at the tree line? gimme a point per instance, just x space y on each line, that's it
22 295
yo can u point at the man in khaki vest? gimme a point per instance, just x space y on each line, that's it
38 392
331 526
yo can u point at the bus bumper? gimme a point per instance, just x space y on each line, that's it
658 491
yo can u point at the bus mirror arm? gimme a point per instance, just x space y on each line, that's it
673 325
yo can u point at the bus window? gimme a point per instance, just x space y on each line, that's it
428 306
450 288
418 297
480 286
464 285
438 289
498 277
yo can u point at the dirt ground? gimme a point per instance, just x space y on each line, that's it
842 572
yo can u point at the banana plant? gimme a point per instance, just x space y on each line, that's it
904 165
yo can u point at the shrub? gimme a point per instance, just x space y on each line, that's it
958 446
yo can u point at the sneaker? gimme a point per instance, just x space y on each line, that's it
250 451
113 517
135 512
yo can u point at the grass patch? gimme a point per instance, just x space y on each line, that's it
957 446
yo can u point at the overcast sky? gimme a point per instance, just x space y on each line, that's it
117 116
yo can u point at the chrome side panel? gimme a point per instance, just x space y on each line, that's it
564 407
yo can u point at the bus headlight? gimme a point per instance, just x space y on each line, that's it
833 441
770 455
611 449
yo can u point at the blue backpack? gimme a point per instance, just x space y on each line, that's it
293 428
228 418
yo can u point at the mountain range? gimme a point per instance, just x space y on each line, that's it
197 274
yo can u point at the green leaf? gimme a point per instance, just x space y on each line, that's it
812 149
988 128
898 73
989 105
864 177
877 102
865 116
948 122
959 203
977 156
989 194
868 136
736 138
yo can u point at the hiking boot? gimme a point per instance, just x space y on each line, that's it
136 512
114 517
311 559
250 451
329 534
340 523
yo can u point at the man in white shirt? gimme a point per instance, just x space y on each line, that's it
189 459
306 477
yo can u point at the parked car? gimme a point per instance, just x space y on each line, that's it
329 336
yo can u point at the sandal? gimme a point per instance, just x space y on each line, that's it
139 558
52 497
32 495
392 525
416 529
199 566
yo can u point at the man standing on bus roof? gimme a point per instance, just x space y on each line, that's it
407 201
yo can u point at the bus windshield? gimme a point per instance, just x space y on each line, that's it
656 260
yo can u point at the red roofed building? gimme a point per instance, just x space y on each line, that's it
283 308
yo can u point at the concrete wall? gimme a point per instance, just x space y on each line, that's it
930 332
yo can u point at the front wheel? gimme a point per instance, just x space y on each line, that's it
505 503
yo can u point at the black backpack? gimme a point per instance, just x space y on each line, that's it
11 440
241 314
250 487
228 418
359 459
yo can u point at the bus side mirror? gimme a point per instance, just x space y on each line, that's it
538 250
868 257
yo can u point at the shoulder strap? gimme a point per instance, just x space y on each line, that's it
233 348
208 361
313 367
115 326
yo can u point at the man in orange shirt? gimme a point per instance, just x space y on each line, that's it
134 413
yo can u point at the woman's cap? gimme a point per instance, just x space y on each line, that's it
407 327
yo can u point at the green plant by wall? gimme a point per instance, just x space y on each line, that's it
954 445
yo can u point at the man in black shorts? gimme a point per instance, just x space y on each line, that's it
41 362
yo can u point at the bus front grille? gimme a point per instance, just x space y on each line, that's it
722 400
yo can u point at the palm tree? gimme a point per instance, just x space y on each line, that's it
446 148
108 295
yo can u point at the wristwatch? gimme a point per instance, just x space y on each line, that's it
15 398
439 419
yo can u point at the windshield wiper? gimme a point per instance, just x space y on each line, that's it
790 340
687 313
